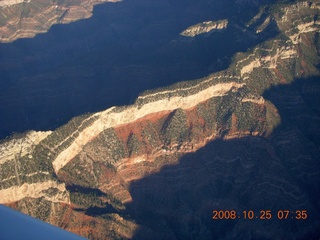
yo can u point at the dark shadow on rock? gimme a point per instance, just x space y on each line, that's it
123 49
281 172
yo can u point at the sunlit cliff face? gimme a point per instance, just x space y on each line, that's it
26 19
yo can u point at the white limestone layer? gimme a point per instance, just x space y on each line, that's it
5 3
35 190
205 27
108 119
22 146
269 61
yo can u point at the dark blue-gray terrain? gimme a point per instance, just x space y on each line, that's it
217 108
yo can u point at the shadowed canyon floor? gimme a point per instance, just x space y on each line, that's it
252 173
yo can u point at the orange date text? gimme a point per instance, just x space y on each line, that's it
261 215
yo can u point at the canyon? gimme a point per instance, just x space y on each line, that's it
244 138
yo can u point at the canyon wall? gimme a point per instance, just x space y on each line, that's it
106 174
26 19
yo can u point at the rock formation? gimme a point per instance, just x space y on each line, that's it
205 27
114 174
25 19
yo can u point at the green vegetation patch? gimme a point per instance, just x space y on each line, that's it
78 172
113 144
175 129
7 170
134 145
86 200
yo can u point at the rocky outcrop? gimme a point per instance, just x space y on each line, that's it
6 3
25 19
269 61
21 145
35 190
204 27
294 20
199 138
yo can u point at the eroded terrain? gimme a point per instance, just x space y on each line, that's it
243 138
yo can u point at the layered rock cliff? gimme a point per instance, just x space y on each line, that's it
205 27
157 168
25 19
